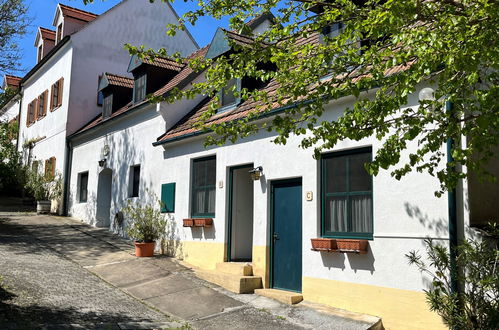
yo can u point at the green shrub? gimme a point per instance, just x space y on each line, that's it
147 224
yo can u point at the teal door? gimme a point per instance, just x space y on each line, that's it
286 235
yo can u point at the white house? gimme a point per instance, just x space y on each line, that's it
10 110
59 93
260 203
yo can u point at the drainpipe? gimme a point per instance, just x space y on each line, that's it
452 209
67 176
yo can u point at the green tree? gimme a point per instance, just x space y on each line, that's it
13 24
476 306
449 44
11 171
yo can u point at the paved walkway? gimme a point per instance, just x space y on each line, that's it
60 273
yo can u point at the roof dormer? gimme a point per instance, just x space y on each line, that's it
68 20
11 82
44 42
151 74
116 92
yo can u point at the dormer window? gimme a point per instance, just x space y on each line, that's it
40 53
107 105
59 32
139 87
116 92
229 95
334 30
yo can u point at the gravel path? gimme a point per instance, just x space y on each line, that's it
39 288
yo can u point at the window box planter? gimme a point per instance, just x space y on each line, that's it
323 244
188 222
203 222
352 245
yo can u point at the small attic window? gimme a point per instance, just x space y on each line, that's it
59 33
228 98
139 87
40 52
107 106
334 30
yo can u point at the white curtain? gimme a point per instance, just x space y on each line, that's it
361 214
360 211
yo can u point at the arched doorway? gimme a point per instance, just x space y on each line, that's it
104 198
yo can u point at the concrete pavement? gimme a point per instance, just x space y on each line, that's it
167 287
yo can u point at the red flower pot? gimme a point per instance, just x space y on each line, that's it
188 222
352 245
323 244
203 222
144 249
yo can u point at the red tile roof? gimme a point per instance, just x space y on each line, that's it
164 63
184 75
47 34
12 81
77 13
121 81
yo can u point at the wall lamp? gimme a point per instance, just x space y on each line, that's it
102 162
256 173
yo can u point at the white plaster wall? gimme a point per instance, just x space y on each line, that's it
53 125
405 212
12 110
99 48
130 141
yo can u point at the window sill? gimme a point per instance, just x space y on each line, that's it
54 109
358 246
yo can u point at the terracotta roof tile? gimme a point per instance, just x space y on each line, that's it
164 63
47 34
12 81
77 13
121 81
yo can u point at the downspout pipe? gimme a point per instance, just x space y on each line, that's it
452 211
67 176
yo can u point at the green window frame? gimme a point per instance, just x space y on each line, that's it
82 187
168 197
347 195
203 187
107 105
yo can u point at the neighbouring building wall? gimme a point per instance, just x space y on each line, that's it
129 141
51 129
99 48
11 109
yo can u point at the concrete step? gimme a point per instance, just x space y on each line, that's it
235 268
231 282
286 297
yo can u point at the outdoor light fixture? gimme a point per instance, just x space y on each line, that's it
427 94
102 162
256 173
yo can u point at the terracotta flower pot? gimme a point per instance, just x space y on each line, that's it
203 222
144 249
323 244
188 222
352 245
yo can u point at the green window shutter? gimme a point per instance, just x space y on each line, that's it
168 197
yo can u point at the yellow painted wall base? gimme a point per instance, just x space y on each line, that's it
204 255
398 309
260 261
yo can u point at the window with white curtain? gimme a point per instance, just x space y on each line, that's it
203 187
347 209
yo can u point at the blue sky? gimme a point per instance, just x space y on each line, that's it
42 13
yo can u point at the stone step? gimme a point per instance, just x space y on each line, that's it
286 297
231 282
235 268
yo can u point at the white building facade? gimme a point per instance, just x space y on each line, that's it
59 93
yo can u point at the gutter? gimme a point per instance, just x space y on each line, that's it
67 176
452 211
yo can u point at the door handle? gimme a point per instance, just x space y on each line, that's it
275 237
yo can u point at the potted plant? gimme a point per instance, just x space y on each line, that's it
44 189
147 225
